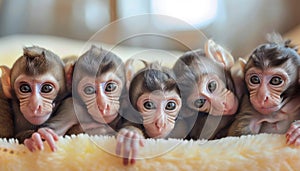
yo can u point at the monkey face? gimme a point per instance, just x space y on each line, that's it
101 96
159 110
265 88
211 96
36 95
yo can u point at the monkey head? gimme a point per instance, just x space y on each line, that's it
36 80
205 80
98 82
272 75
153 92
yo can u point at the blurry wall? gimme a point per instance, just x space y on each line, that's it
244 23
240 24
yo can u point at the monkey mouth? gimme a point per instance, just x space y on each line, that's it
160 133
267 110
104 112
38 120
106 116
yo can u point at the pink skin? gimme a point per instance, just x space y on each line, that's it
102 105
130 140
221 101
36 105
264 96
36 140
158 123
293 134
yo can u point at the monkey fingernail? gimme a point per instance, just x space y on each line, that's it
125 161
132 161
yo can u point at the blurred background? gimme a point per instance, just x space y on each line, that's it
239 25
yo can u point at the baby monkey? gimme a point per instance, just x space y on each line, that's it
273 99
155 96
36 87
208 91
98 86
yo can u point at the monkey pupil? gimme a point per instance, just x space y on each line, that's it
89 90
254 80
47 88
199 103
25 88
110 87
276 81
149 105
171 106
212 86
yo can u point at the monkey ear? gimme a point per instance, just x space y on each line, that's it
242 63
129 71
219 54
5 79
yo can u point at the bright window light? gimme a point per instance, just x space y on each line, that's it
195 12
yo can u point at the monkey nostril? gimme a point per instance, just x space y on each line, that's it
265 99
36 109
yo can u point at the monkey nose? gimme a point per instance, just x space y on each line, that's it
160 123
104 110
264 100
36 109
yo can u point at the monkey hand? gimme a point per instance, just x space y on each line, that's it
130 139
293 134
36 139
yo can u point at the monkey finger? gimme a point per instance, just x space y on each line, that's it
291 138
29 143
127 147
49 136
46 131
140 137
36 137
51 141
54 135
135 147
120 140
294 126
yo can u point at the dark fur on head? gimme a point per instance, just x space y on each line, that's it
193 64
277 53
97 61
152 77
38 61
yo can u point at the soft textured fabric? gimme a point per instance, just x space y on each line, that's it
82 152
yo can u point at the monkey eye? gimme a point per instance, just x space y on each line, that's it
47 88
199 103
110 87
25 88
149 105
89 90
276 81
170 105
212 86
254 79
